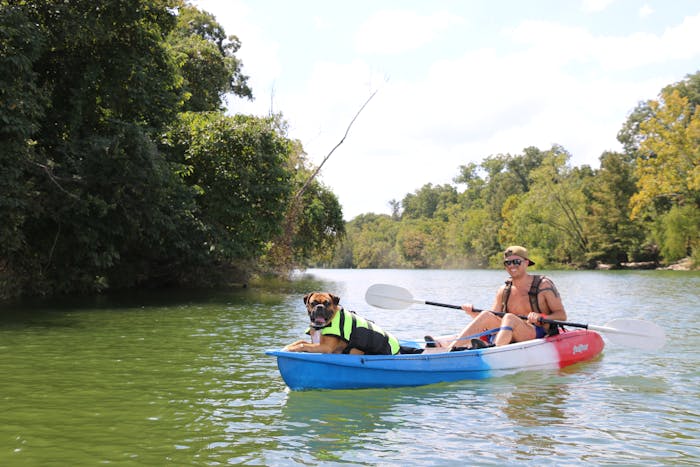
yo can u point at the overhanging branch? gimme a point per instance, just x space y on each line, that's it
318 169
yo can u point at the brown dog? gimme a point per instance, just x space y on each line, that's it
335 330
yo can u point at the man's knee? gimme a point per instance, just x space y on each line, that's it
510 320
483 316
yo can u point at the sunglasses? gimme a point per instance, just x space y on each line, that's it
517 262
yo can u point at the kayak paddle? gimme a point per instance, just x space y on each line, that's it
630 332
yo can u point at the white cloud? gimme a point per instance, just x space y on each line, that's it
321 24
641 49
560 44
593 6
645 11
397 31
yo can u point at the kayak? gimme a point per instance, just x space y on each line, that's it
304 371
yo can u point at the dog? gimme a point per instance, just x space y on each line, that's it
335 330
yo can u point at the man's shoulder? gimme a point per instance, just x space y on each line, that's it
541 279
547 279
547 285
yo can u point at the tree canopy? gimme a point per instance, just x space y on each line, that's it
119 167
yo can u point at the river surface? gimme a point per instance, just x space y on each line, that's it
181 378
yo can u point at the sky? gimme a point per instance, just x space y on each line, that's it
454 81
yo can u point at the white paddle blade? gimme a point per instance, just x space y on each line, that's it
389 297
634 333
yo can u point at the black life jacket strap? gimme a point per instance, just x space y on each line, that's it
534 290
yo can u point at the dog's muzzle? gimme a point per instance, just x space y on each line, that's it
320 316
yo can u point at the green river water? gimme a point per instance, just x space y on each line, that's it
181 378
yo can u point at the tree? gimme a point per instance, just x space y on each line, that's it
471 237
320 226
630 135
663 136
98 85
22 105
421 243
677 232
372 239
615 238
509 175
106 183
427 201
550 216
238 168
207 60
668 166
505 179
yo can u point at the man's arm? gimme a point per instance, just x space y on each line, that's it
554 305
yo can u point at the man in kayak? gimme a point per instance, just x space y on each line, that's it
523 295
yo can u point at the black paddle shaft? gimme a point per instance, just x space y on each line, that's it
444 305
457 307
498 313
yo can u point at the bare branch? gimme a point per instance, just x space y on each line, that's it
281 254
53 178
347 130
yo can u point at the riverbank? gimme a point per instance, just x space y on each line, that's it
686 264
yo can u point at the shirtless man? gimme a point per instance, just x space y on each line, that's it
516 300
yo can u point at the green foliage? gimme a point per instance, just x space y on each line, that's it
471 237
370 241
630 135
320 227
420 243
22 105
208 63
237 167
91 191
669 162
677 232
104 183
313 223
614 237
108 61
427 201
689 88
550 216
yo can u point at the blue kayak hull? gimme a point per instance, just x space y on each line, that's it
304 371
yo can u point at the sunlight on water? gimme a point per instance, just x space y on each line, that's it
182 379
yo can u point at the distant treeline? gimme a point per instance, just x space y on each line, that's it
118 165
642 204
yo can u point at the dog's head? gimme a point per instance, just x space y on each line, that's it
321 307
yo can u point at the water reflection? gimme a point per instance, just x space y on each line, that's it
533 405
328 425
323 424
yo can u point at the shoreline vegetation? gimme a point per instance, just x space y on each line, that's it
126 166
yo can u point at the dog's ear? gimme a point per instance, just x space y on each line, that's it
306 298
335 299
